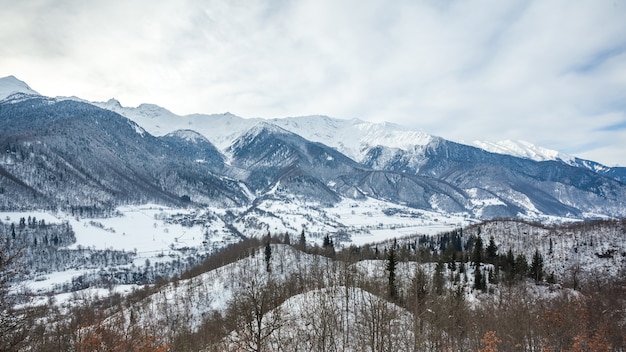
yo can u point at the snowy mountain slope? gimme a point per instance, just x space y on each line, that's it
584 249
10 85
549 187
305 323
68 153
374 144
188 301
197 147
527 150
351 137
523 149
275 157
354 138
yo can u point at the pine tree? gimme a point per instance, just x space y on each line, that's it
392 261
268 256
477 256
551 246
286 238
438 278
536 267
478 279
508 265
521 265
491 251
302 241
328 242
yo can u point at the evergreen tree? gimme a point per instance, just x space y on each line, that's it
438 278
302 241
477 254
328 242
491 251
508 265
328 246
268 256
392 261
551 245
477 259
536 267
478 279
521 265
286 238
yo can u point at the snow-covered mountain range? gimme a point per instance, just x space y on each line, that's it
354 138
111 154
102 199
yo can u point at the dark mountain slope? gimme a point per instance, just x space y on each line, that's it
549 187
276 158
68 153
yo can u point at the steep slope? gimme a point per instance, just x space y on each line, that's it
273 157
195 146
63 153
276 160
549 187
528 150
352 138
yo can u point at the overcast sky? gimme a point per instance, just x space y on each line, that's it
551 72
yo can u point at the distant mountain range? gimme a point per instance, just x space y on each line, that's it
65 152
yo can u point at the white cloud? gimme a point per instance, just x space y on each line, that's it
552 71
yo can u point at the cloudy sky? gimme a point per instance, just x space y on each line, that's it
551 72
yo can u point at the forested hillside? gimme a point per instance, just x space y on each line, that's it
491 286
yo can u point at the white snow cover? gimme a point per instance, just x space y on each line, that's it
365 221
145 230
188 135
351 137
522 149
304 321
10 85
192 299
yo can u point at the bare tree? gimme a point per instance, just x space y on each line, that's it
15 324
249 312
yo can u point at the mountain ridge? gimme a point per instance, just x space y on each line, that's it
153 154
352 137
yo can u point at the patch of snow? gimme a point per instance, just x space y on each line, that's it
523 149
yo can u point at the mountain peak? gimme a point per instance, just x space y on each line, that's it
114 103
11 85
188 135
263 127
